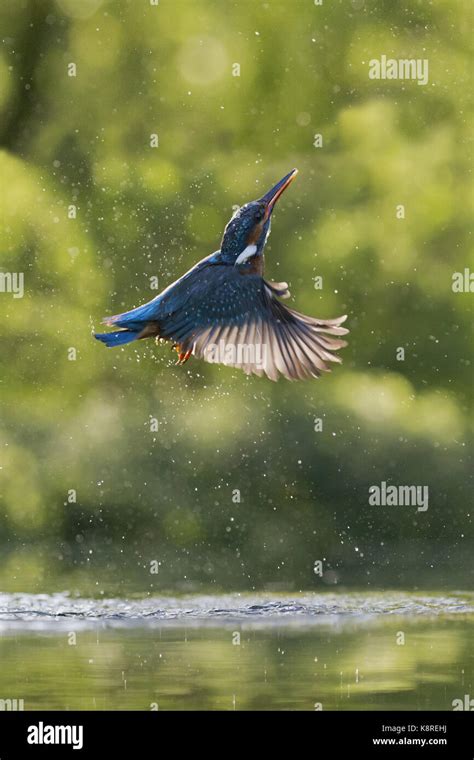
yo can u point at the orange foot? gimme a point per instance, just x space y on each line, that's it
183 356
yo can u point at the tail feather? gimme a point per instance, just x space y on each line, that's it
134 319
119 338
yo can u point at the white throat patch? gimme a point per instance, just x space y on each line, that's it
247 253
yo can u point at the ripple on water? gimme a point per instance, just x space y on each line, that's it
50 611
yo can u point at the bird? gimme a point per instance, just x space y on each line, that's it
224 311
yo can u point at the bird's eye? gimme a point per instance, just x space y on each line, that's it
259 215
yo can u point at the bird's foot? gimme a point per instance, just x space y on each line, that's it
183 356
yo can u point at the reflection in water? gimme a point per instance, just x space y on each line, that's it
272 661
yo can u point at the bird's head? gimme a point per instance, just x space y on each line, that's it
247 232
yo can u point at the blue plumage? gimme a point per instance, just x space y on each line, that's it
223 310
119 338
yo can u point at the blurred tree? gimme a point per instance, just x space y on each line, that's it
92 214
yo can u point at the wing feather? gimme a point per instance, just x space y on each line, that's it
241 319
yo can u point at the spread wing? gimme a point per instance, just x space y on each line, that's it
235 319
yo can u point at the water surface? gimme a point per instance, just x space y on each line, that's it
309 651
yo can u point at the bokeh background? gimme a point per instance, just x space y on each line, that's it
154 452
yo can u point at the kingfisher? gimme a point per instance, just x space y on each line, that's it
223 310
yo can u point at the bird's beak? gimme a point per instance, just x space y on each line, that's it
272 196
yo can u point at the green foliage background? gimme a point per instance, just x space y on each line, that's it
144 212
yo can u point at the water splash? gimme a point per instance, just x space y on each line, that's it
56 610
